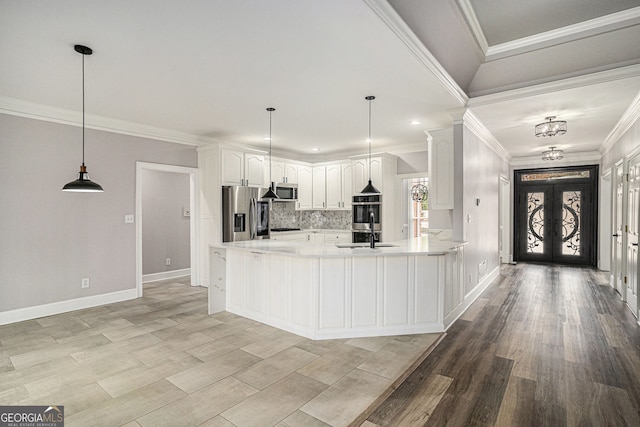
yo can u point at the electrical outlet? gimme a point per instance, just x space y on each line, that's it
128 219
167 261
85 282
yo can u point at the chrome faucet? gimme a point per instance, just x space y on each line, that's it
372 236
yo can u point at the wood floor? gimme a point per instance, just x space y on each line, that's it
543 346
161 360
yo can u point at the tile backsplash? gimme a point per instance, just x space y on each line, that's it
284 214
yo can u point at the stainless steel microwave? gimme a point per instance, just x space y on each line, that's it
287 191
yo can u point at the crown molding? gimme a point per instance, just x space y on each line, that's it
21 108
474 25
480 130
390 17
630 116
603 24
558 85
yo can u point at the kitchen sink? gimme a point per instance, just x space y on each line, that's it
364 245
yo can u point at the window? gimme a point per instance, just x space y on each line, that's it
417 190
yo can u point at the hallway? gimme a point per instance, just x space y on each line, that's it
544 345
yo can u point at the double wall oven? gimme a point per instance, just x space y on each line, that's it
362 206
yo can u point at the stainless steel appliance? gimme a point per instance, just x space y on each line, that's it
244 215
286 191
361 207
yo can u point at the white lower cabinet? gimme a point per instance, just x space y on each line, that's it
336 238
317 237
340 296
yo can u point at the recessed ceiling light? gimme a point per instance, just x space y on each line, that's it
415 122
315 149
266 138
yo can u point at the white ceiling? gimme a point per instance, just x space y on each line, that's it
206 70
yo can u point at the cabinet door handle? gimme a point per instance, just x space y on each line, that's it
615 235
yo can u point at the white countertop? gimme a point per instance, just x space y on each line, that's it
416 246
312 230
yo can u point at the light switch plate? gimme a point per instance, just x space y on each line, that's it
128 219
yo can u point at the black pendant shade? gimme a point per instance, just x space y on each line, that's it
270 194
369 188
83 184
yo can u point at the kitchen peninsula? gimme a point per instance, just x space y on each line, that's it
327 291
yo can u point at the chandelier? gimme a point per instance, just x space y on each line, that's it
552 154
419 192
551 127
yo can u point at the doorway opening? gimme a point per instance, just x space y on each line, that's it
191 212
556 215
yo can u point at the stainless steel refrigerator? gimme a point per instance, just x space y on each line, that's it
244 215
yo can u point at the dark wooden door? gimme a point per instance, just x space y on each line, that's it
555 218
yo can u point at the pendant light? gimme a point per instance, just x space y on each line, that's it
83 184
270 194
370 189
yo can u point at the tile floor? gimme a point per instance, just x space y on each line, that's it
161 360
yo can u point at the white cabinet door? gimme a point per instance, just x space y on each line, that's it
361 173
278 171
376 172
232 167
441 170
291 173
254 170
305 187
319 187
347 186
334 186
239 168
360 170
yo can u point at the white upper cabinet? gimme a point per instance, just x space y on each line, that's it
361 173
305 187
333 186
441 169
339 178
319 187
283 171
254 170
291 173
347 185
277 171
242 168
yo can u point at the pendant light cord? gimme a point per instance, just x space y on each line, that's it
270 110
83 110
370 139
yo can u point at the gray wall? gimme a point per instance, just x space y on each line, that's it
165 230
413 162
482 168
50 239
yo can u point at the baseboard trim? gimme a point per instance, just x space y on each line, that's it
470 298
29 313
164 275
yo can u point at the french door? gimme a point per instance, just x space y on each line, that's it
633 213
556 215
